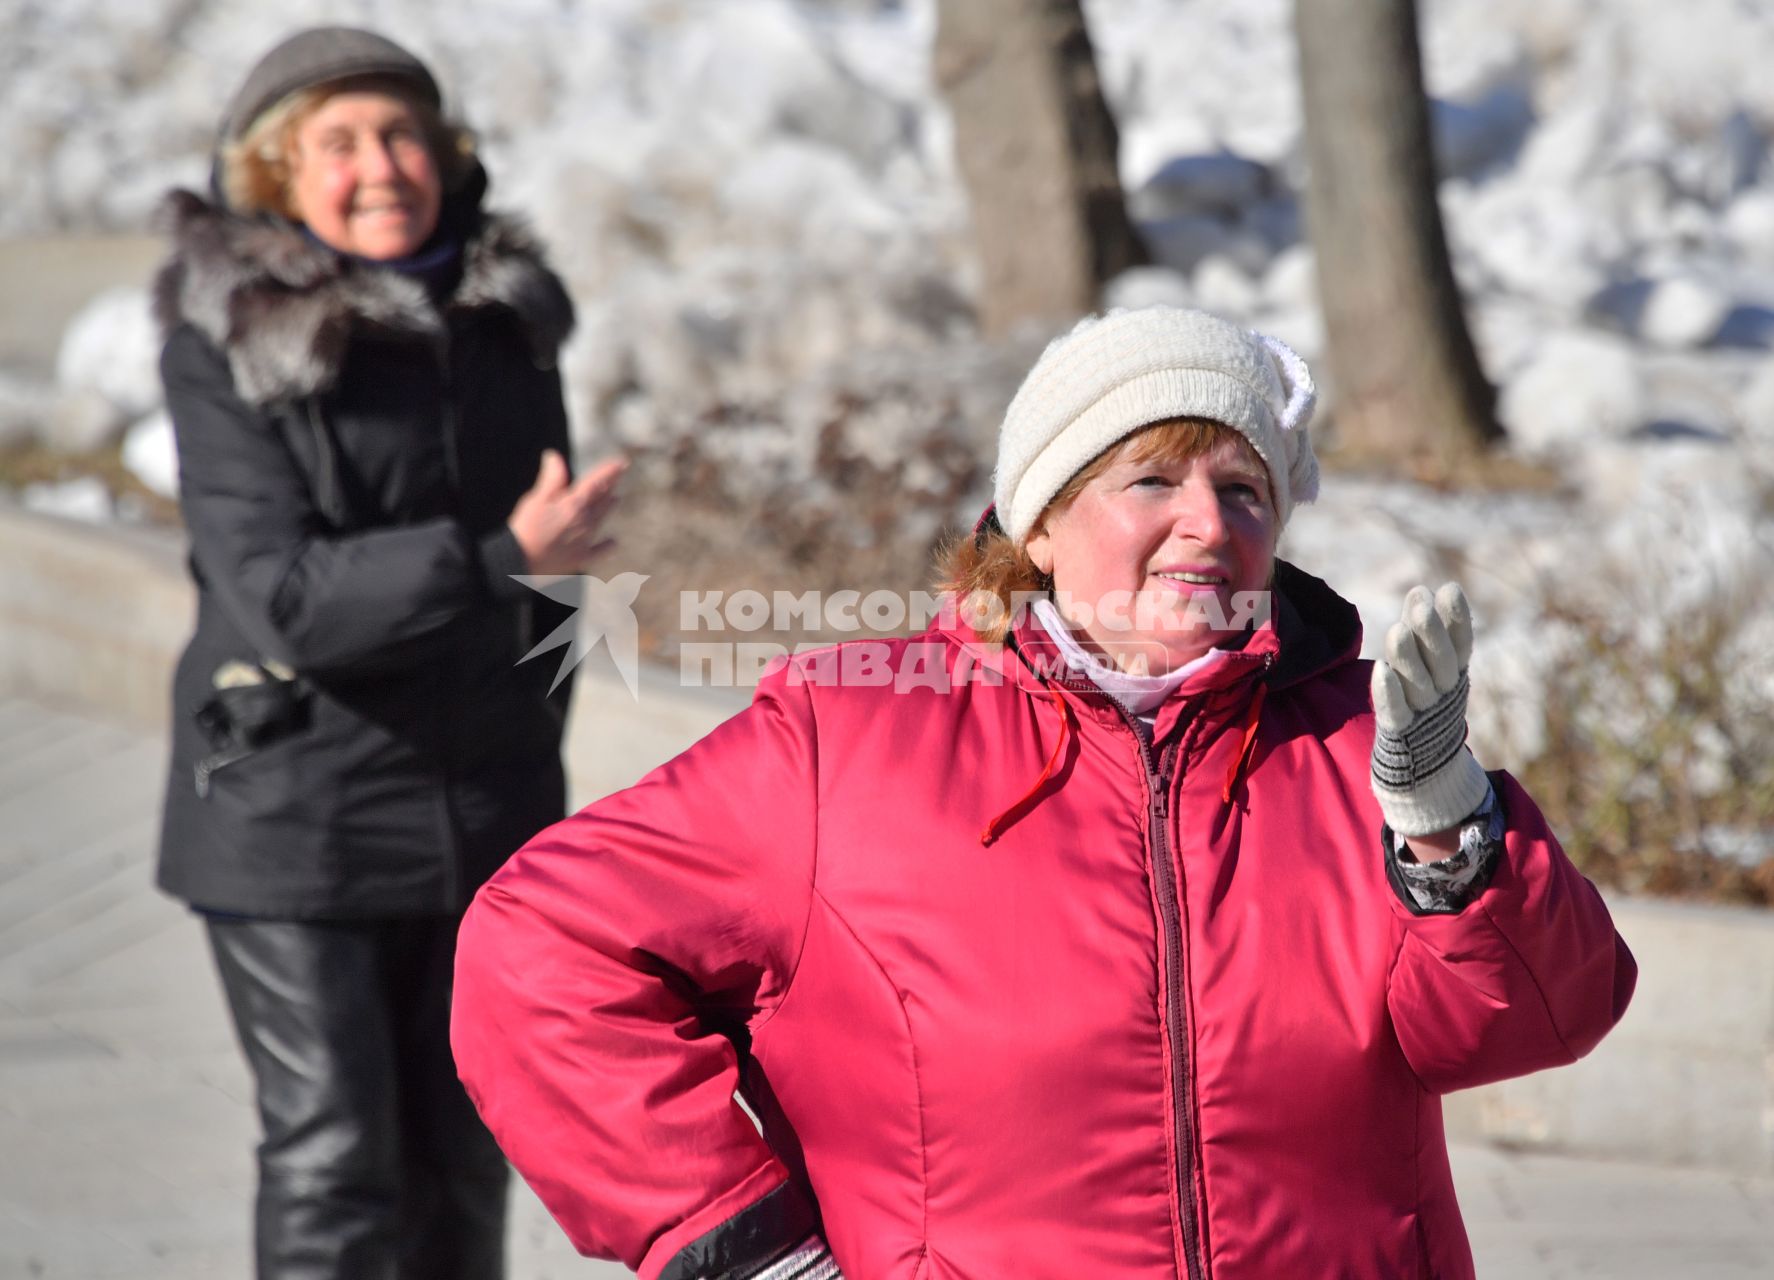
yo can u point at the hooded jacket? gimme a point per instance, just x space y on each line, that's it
1012 992
350 447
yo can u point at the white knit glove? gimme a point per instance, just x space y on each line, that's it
1425 778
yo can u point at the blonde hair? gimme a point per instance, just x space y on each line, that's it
990 562
255 167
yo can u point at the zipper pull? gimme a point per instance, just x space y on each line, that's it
203 771
1160 796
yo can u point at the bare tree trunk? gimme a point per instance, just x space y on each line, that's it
1407 380
1036 148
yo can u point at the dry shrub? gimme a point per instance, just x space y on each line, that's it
848 485
693 522
31 463
1658 763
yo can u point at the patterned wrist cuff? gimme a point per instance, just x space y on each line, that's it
1448 886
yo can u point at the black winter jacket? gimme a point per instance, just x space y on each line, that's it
349 452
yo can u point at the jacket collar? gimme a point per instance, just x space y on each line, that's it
283 307
1315 628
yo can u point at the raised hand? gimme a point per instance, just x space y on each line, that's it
557 522
1425 778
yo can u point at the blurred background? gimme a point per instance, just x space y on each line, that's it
814 244
1527 246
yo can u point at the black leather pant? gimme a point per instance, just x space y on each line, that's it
374 1165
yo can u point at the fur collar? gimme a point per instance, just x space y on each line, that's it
283 308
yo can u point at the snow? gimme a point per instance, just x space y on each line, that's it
1683 312
1220 183
755 204
1186 239
1749 225
1148 287
1222 286
1577 385
112 349
150 455
1470 137
85 498
1291 282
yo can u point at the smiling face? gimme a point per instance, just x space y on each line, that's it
1157 560
362 176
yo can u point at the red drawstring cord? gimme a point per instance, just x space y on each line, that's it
1250 738
995 827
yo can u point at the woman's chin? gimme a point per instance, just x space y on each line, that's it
388 248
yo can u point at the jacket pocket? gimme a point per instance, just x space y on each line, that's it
255 710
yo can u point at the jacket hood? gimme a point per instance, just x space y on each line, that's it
283 307
1317 628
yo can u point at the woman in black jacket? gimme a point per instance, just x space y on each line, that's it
360 369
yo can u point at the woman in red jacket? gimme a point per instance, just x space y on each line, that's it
1128 935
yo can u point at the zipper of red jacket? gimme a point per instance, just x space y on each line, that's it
1164 871
1167 872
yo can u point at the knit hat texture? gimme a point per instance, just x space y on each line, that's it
1113 374
318 56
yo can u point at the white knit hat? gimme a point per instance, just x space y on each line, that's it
1113 374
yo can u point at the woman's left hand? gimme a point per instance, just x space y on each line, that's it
556 523
1426 780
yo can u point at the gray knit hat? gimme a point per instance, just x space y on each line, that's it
1114 374
317 56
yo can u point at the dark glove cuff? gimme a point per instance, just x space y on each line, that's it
748 1241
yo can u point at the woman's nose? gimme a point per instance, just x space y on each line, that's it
375 160
1197 515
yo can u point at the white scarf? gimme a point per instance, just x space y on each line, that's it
1141 695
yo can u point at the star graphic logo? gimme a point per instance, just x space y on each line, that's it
601 611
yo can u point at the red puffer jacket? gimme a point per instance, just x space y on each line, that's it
1016 996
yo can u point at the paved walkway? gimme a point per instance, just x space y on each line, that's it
125 1126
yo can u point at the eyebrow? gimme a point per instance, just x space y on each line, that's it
1238 468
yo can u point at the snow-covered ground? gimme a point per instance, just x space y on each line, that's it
756 207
